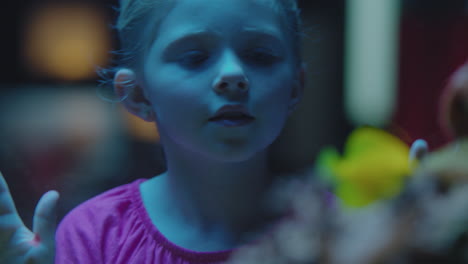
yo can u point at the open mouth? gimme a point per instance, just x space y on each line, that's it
232 116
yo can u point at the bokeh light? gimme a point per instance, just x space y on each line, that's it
66 41
371 61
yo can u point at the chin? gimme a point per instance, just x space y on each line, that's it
236 150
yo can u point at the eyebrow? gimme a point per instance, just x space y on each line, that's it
271 36
254 33
184 38
267 33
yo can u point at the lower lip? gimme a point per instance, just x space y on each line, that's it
233 123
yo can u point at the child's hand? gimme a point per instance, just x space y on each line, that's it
18 245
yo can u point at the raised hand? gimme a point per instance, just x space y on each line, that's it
18 244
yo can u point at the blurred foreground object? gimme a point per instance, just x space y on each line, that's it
425 222
454 105
374 166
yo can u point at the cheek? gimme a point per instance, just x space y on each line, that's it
175 100
273 103
276 93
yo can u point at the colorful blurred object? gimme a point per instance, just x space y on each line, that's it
449 164
374 166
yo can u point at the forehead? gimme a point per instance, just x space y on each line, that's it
224 17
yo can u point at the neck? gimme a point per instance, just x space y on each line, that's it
217 197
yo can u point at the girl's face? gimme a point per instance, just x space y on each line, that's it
214 53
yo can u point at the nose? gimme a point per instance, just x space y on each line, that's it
231 77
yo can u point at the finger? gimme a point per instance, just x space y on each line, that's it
418 150
7 206
45 217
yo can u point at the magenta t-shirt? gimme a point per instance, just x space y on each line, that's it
114 228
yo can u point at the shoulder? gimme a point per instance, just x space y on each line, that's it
114 202
85 230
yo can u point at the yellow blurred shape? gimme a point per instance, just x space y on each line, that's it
374 166
66 41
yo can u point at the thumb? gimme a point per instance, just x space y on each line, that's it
45 217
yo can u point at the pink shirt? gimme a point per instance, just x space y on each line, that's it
114 228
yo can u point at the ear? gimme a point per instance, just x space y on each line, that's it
297 90
132 95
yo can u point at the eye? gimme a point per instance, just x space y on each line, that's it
193 58
261 56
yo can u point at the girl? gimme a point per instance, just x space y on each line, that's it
219 78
